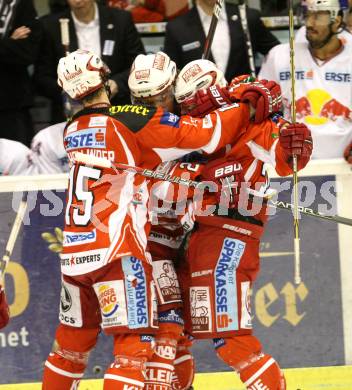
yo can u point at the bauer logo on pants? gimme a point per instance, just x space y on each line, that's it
226 286
136 292
200 309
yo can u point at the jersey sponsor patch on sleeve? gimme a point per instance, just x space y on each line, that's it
170 119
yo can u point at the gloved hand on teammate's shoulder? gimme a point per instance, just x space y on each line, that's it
228 175
348 153
207 100
263 95
296 139
4 309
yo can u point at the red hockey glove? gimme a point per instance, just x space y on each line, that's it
206 101
238 85
228 176
263 95
296 139
4 309
334 109
348 153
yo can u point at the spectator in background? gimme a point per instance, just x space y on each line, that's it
143 11
15 158
110 33
185 37
323 79
19 45
48 152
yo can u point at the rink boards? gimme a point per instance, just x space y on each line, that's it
301 326
320 378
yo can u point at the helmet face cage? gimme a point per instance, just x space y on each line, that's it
81 73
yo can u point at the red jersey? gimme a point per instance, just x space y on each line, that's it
103 222
256 147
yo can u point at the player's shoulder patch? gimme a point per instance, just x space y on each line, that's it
134 117
170 119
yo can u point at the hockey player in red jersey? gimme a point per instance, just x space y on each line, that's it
223 251
163 242
107 275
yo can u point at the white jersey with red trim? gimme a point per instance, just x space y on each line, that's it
104 219
48 152
15 158
323 94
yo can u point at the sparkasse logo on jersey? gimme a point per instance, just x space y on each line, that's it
225 284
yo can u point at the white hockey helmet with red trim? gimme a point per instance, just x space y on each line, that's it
197 75
151 75
333 6
81 73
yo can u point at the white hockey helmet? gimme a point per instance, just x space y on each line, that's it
334 6
151 74
81 73
197 75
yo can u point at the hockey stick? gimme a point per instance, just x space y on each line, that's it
13 237
296 240
214 22
104 163
65 35
244 22
310 212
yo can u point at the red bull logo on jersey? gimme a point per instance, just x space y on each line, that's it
226 286
107 300
136 292
319 107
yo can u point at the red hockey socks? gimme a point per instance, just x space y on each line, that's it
61 374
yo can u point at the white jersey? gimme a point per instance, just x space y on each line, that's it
48 150
323 94
344 36
15 158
